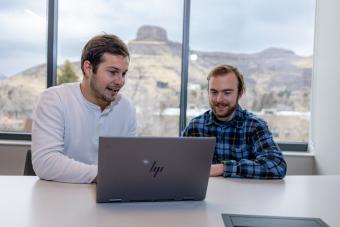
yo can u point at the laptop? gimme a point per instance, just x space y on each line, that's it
136 169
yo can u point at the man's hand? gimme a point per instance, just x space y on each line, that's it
216 170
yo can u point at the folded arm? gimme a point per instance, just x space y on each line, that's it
268 163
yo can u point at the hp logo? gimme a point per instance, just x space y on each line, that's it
154 170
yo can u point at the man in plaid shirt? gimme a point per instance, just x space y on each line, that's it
244 144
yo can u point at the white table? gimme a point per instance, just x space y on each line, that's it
28 201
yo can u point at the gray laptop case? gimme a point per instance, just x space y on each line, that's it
134 169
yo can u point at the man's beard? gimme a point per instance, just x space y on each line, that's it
98 93
225 115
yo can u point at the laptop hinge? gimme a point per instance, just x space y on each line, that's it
115 200
189 198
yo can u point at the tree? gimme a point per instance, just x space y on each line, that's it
67 73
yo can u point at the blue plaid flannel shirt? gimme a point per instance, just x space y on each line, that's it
244 145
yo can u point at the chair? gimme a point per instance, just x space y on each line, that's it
29 171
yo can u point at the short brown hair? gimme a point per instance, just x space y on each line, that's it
96 47
225 69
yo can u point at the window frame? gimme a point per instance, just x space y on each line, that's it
52 39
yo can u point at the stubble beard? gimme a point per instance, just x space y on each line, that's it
100 94
226 114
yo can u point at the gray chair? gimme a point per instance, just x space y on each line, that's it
29 171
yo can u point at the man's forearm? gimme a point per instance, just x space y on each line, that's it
252 169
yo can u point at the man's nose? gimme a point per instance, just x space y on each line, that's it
219 97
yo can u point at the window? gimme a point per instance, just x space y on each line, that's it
153 36
271 42
23 62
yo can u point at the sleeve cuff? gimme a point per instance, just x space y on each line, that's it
231 169
93 173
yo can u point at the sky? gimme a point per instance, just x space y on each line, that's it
238 26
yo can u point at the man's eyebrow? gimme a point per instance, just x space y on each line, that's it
113 67
228 89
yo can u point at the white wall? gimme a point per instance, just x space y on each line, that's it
299 163
325 106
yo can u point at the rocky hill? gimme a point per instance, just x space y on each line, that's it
275 78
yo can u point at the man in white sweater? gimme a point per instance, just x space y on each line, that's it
69 118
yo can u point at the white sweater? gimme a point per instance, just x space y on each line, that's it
65 132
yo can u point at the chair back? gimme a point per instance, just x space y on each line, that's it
29 171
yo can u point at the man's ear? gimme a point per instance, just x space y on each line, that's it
87 67
240 94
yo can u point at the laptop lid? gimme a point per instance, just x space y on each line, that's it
153 168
